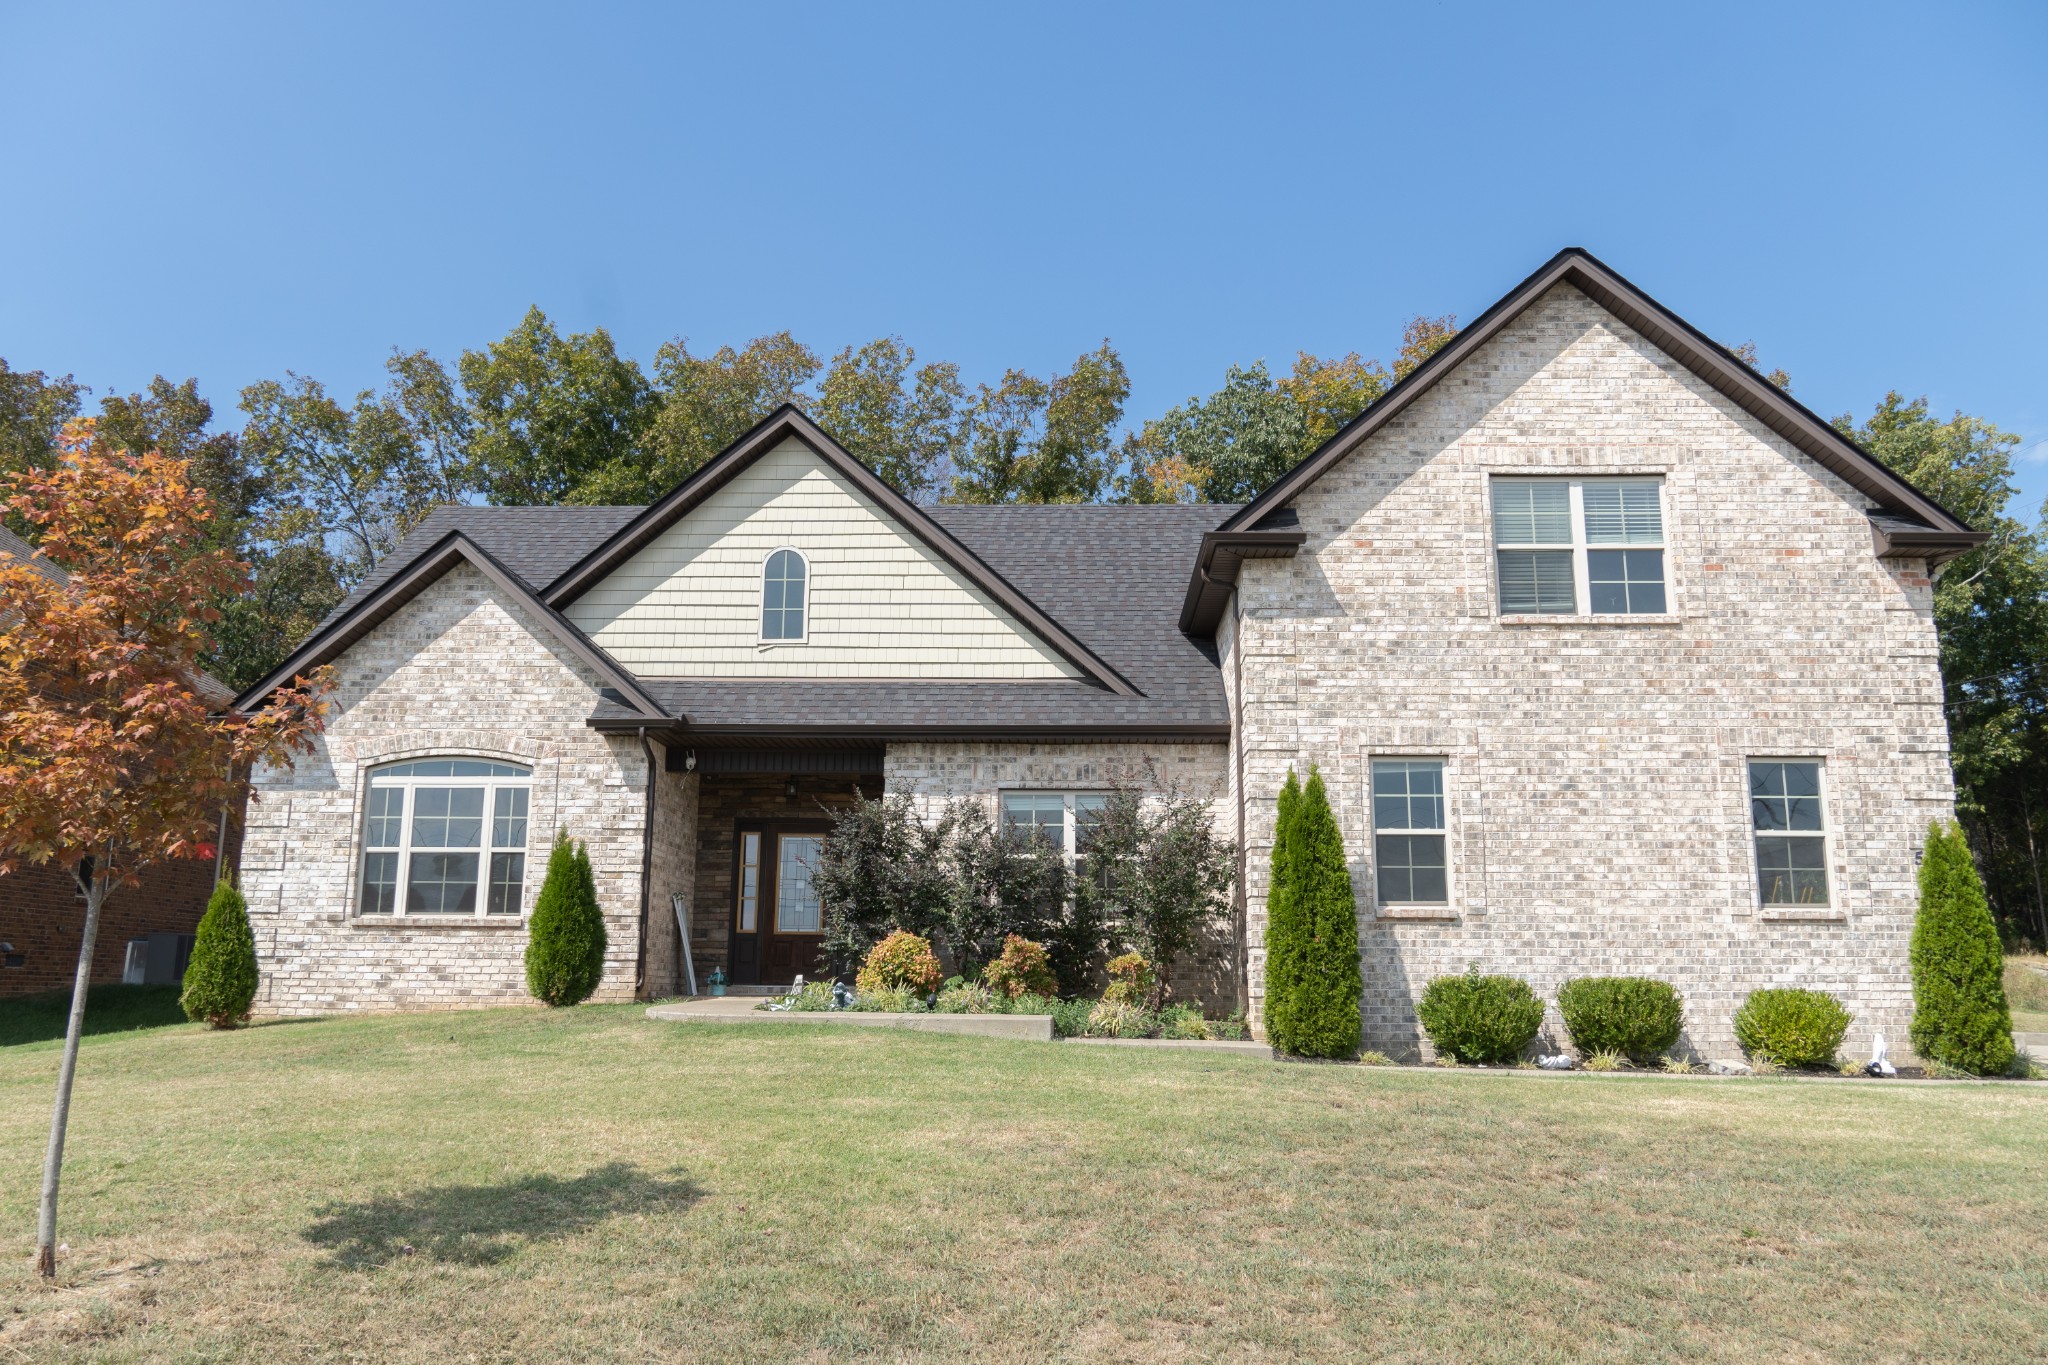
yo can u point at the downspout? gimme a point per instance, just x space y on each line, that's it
1241 908
646 867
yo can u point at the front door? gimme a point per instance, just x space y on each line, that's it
777 921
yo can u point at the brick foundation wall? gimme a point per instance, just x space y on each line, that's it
1596 773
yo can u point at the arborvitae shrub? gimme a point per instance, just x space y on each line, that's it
1636 1016
900 962
1474 1018
565 939
1960 1016
1312 972
220 980
1792 1027
1020 969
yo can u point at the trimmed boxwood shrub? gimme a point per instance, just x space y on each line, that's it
220 980
900 962
1474 1018
565 939
1637 1016
1792 1027
1312 974
1960 1015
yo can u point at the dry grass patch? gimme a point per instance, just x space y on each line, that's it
518 1185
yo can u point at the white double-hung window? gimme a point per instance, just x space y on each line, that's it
1790 822
1408 831
1579 547
445 836
1066 820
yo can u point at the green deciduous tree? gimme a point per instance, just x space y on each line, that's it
1043 441
1231 445
220 980
33 410
1313 983
702 404
565 938
1991 608
903 420
548 411
1960 1017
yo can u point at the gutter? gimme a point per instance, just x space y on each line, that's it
1242 907
646 867
1214 581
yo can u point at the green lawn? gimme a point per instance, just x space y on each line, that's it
519 1185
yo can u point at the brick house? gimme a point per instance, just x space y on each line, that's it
42 911
1615 659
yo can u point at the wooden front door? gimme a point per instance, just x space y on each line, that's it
776 919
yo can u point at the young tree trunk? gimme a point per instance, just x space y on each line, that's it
53 1159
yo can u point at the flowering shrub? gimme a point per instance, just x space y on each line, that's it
1130 980
1022 968
900 962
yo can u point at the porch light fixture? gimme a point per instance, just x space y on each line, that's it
789 789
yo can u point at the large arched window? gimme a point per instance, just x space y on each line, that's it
784 583
445 836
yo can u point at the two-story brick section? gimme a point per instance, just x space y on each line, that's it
1614 658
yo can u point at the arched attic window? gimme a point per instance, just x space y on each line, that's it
785 584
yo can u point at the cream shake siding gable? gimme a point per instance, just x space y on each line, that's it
879 603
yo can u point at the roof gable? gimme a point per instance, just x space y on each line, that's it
1684 343
788 425
373 608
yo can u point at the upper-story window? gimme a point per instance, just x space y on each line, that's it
1580 547
785 582
445 836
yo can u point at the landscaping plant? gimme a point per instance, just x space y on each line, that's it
566 939
1476 1018
110 759
1312 972
1021 969
900 962
1960 1016
999 882
1637 1017
882 869
1130 980
220 980
1161 876
1792 1027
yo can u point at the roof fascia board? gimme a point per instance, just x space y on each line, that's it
786 422
455 547
1691 348
680 731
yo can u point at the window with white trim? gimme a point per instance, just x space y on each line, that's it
1408 831
1788 818
445 836
1579 547
1066 819
785 584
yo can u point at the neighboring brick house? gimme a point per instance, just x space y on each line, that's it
1562 618
42 912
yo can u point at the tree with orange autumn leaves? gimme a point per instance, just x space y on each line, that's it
109 758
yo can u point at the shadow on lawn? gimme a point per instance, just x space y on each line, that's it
484 1224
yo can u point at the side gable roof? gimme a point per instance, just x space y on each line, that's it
788 422
1938 530
370 610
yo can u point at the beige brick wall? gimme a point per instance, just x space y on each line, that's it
457 671
1596 772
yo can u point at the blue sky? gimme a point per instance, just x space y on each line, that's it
233 191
